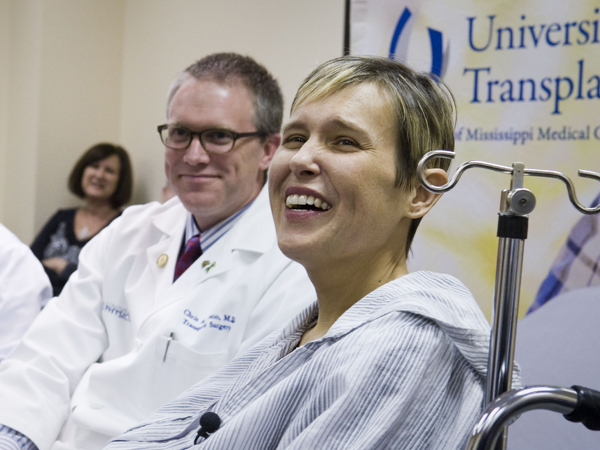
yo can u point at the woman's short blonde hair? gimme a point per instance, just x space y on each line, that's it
424 108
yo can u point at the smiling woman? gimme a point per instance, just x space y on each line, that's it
384 358
103 178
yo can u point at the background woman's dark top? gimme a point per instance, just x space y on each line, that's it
58 239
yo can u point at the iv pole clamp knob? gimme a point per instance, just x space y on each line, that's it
521 201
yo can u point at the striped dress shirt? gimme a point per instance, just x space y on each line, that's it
214 233
403 368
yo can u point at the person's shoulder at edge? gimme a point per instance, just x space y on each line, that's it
24 288
13 249
9 240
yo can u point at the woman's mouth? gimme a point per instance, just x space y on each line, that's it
306 203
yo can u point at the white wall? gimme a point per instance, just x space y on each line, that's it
4 56
21 110
162 38
80 91
85 71
63 82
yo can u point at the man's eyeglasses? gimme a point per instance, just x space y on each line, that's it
213 141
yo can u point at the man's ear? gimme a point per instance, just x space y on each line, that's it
423 200
270 146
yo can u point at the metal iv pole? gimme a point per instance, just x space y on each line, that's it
516 204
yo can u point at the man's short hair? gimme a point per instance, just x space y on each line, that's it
97 153
424 109
229 68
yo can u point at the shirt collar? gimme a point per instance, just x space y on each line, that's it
214 233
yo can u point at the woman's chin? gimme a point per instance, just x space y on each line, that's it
299 250
97 196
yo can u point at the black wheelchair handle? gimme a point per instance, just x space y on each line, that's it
578 404
587 410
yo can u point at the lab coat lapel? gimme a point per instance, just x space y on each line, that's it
253 232
215 261
162 256
256 229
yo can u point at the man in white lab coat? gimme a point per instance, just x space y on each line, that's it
167 293
24 289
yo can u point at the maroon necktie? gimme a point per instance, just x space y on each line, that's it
191 253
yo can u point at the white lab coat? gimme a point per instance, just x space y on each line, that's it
99 356
24 289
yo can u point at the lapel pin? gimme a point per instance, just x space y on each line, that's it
209 267
162 260
205 263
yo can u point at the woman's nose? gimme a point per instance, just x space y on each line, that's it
304 162
97 171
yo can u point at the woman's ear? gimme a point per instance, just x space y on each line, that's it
423 200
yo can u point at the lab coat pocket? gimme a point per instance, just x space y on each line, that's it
178 367
117 394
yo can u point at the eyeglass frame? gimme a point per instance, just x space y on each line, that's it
235 135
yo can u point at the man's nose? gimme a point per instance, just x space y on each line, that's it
195 153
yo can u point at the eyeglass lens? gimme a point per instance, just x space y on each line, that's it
217 141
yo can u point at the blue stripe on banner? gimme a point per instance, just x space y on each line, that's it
550 287
574 247
398 31
437 54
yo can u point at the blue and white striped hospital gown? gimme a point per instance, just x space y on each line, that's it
403 368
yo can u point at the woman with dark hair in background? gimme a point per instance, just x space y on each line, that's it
103 179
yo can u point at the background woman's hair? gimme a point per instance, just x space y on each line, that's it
97 153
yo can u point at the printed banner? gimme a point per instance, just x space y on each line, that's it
526 78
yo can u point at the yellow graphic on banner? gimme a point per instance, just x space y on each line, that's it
526 79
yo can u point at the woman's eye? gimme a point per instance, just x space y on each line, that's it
294 141
346 142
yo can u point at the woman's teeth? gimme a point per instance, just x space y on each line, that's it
295 201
